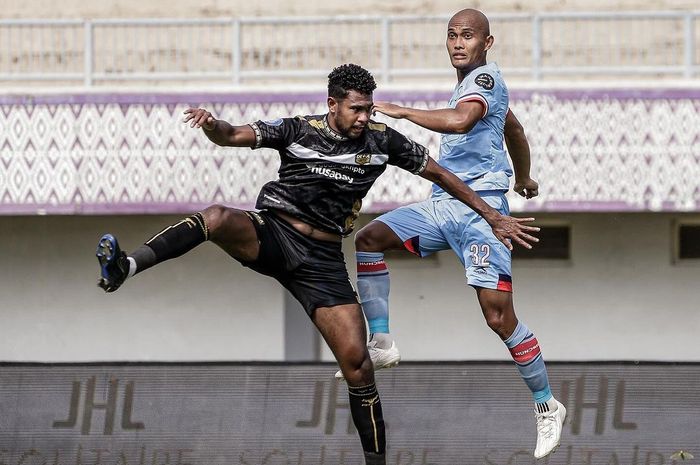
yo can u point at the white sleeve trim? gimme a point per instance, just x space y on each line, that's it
258 135
475 98
423 165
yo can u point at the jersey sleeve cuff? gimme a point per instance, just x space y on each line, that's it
424 163
258 135
475 98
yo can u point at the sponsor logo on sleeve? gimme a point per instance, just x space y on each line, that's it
274 122
484 80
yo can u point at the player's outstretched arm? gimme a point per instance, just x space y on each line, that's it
505 228
519 151
219 131
458 120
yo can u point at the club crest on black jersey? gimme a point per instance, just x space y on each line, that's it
323 175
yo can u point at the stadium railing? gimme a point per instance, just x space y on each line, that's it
575 45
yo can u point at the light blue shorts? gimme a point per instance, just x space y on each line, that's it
433 225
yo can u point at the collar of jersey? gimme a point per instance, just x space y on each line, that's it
330 132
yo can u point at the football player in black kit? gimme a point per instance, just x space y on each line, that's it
328 163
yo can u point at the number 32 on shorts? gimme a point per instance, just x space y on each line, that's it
479 254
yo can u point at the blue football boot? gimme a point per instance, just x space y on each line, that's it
114 266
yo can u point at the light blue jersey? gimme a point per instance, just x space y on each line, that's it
478 157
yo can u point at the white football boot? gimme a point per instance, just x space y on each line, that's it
381 358
549 426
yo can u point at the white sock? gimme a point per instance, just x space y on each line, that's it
132 267
549 406
383 340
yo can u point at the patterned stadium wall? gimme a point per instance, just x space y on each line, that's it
595 150
437 414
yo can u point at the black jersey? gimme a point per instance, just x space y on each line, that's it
323 175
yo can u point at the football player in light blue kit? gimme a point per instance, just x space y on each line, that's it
471 147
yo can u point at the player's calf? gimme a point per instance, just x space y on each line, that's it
366 410
171 242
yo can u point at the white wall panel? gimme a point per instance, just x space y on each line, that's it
619 297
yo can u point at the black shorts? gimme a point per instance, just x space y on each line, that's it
313 271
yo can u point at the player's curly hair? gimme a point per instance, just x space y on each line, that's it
347 77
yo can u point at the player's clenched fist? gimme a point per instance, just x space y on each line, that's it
200 118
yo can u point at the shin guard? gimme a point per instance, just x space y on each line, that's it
525 351
171 242
366 409
373 289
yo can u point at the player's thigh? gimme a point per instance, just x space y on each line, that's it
376 237
486 260
321 278
417 228
232 230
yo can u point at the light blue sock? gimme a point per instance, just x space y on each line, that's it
525 351
373 288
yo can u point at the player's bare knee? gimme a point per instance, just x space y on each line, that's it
367 240
215 216
355 357
359 374
499 322
355 363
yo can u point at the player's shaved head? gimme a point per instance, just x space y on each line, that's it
471 18
468 40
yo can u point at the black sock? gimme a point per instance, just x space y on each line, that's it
375 459
171 242
366 409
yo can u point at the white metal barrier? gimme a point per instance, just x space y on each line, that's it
244 50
